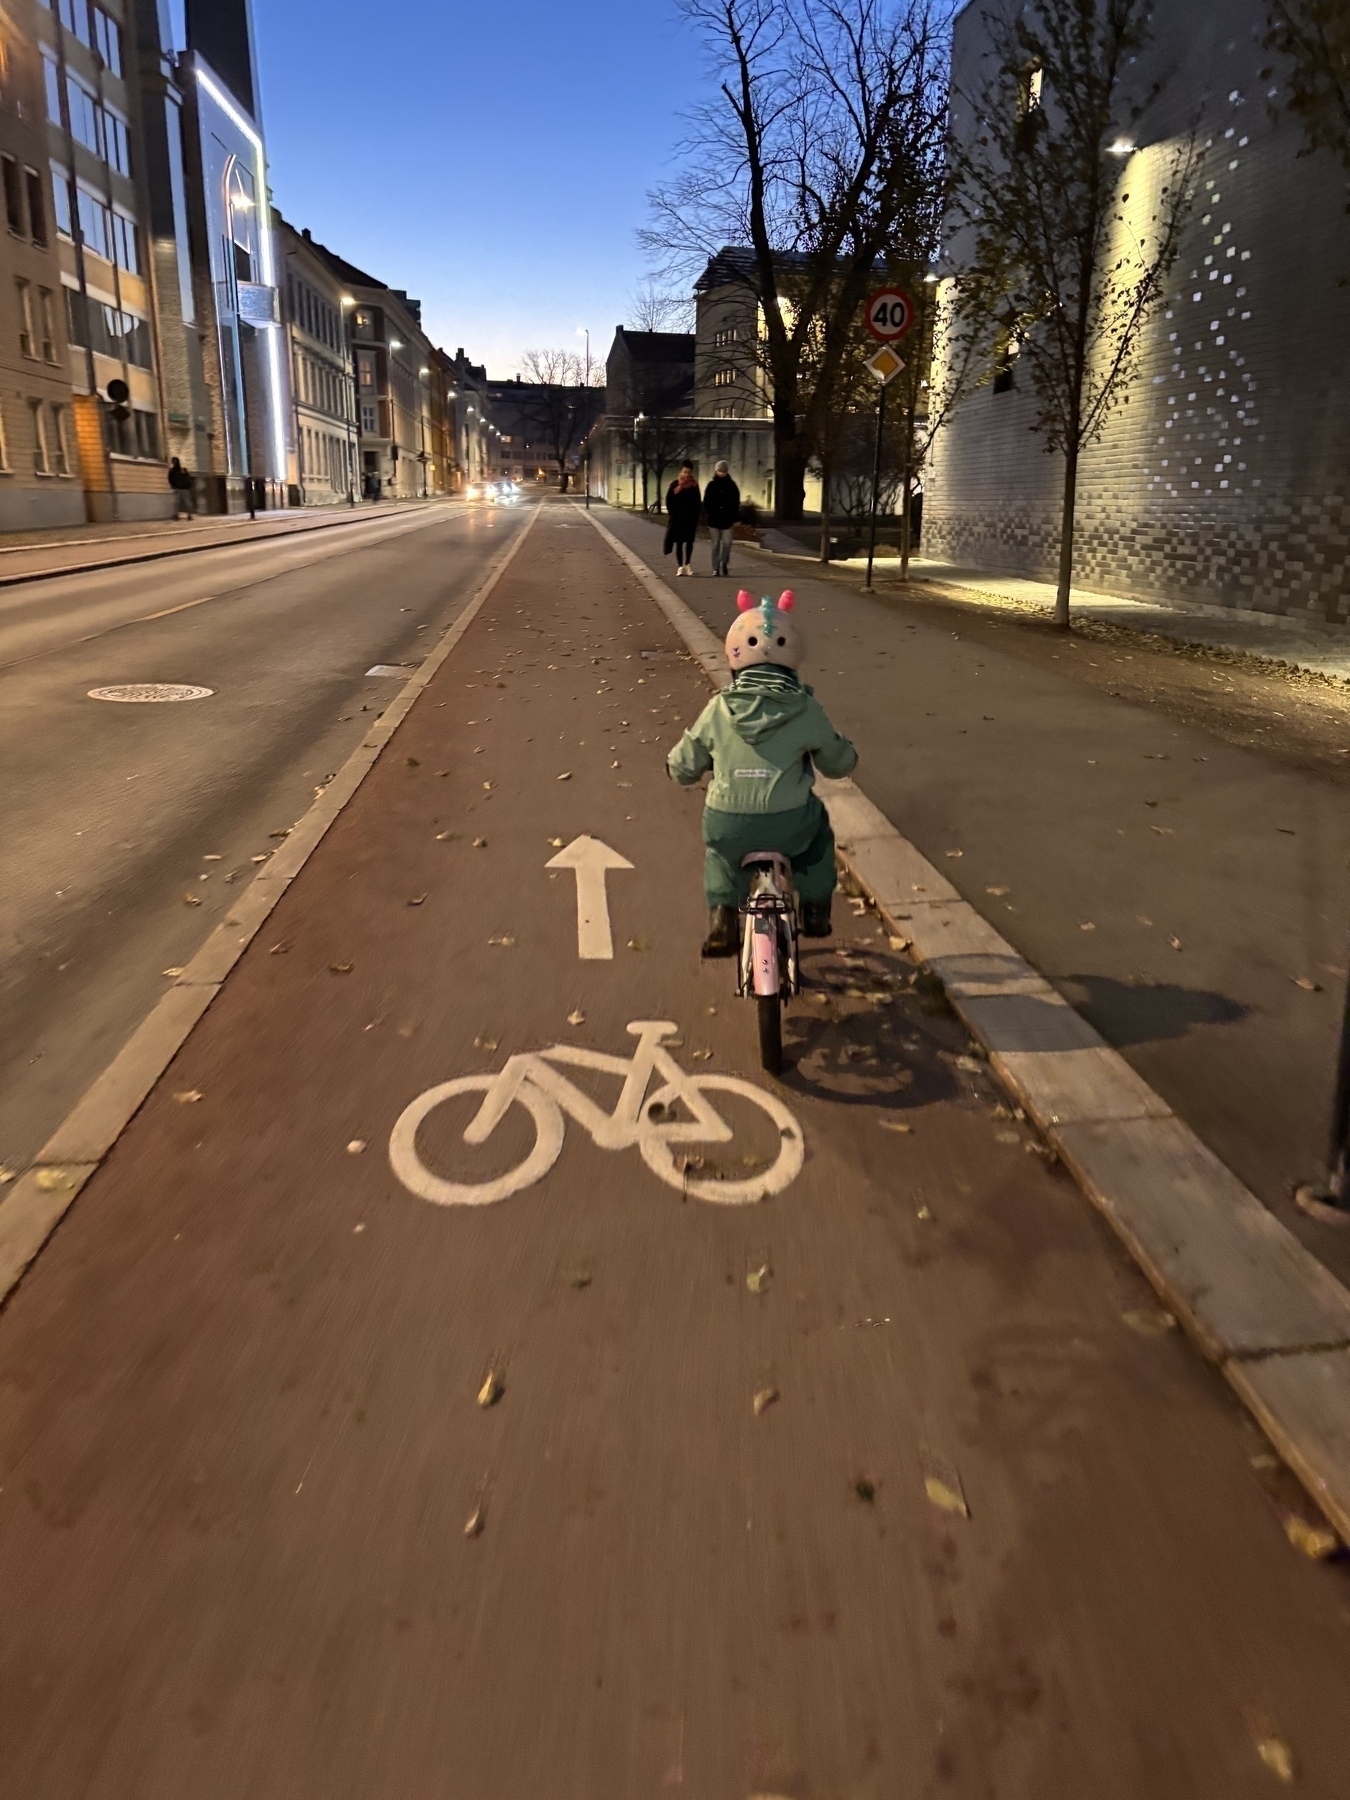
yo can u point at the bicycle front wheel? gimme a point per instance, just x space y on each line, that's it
407 1163
770 1033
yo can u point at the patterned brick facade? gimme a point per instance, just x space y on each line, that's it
1225 478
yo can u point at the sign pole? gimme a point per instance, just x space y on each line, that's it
876 488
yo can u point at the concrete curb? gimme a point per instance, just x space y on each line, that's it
42 1195
1254 1301
144 556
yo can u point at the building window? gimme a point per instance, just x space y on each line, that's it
117 145
125 243
4 446
1005 364
45 319
75 17
724 412
724 378
370 423
83 115
95 326
147 435
108 36
61 193
722 338
1029 83
94 223
37 208
40 460
13 196
25 317
60 442
53 81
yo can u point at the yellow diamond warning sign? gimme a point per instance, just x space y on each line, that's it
885 364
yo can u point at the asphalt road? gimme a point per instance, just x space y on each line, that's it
112 815
1173 855
892 1484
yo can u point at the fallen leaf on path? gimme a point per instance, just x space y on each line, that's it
576 1018
280 834
1311 1538
1309 987
942 1484
1175 942
1149 1321
485 1043
956 853
758 1279
504 942
1142 920
52 1180
480 843
1086 925
340 968
1006 1137
898 943
701 1055
971 1064
566 775
925 1213
638 944
582 1278
173 973
262 858
1278 1757
280 949
894 1125
487 787
557 843
192 900
475 1521
1150 803
615 765
413 762
998 892
417 900
7 1175
865 1490
188 1096
764 1398
491 1391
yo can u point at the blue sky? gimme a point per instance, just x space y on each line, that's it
492 159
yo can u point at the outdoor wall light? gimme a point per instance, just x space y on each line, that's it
1121 147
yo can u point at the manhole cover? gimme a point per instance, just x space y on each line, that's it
147 693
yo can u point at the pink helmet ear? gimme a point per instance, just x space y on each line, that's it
744 601
786 600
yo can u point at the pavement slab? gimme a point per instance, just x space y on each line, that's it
890 1483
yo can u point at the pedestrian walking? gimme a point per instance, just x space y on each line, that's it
180 480
684 504
722 505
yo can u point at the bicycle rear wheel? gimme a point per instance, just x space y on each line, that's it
770 1033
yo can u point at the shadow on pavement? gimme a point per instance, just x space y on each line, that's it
1142 1012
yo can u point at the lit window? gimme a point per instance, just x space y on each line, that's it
1029 84
724 378
41 464
60 443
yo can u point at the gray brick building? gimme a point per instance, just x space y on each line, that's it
1226 479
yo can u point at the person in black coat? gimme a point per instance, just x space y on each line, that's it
684 504
722 504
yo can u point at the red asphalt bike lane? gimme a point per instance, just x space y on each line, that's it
890 1483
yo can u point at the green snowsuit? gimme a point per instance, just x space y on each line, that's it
762 738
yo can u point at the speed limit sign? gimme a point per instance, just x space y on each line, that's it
889 313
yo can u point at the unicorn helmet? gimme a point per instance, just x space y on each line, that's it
764 632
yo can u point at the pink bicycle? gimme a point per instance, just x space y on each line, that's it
769 968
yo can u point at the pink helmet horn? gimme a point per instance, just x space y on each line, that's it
744 600
786 600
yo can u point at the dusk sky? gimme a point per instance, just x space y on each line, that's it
493 160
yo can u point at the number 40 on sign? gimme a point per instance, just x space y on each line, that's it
889 314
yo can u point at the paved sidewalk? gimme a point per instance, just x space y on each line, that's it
77 549
891 1483
1299 644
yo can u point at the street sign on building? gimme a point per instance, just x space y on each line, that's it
884 364
888 314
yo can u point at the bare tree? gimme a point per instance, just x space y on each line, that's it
1073 232
1315 36
652 308
562 407
824 141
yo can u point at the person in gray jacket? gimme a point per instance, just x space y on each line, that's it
762 739
721 508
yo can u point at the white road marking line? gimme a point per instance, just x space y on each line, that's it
591 859
145 618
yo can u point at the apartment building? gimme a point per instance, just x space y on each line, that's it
315 307
39 468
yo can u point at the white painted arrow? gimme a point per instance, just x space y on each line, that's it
591 859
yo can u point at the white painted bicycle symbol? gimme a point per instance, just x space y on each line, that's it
638 1118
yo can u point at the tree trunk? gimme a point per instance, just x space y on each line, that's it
907 502
789 467
824 512
1066 525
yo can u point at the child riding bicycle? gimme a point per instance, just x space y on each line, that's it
763 737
